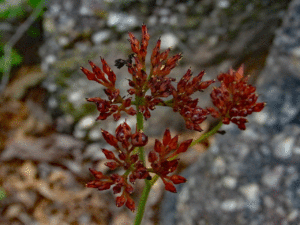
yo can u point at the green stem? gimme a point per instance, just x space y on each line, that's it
208 134
144 197
140 125
142 203
143 200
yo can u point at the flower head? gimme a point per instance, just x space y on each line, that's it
234 99
163 159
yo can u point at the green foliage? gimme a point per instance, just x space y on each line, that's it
11 11
33 32
2 193
15 59
34 3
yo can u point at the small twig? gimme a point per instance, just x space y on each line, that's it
15 38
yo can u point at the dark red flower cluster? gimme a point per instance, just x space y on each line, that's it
163 159
124 142
187 107
234 99
103 182
106 107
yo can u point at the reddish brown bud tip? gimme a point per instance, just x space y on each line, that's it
109 138
184 146
152 157
96 174
111 165
108 154
258 107
120 201
170 187
89 75
176 179
130 204
167 137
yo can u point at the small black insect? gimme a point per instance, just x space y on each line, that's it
119 63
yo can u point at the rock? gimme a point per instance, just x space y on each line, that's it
252 177
122 21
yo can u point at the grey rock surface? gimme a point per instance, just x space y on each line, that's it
252 176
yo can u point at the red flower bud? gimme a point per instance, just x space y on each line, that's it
139 139
130 204
117 189
111 75
134 158
184 146
104 186
108 154
164 55
109 138
152 157
173 143
97 174
120 201
176 179
258 107
97 71
135 45
155 54
158 147
122 156
129 189
111 165
169 186
117 116
167 137
89 75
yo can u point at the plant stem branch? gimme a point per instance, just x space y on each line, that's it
207 134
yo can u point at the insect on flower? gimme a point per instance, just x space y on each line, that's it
119 63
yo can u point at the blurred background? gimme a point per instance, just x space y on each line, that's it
48 134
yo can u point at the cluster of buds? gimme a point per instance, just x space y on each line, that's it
106 107
234 100
124 143
164 160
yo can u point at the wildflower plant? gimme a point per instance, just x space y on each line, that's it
233 100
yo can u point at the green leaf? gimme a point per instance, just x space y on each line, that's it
34 3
